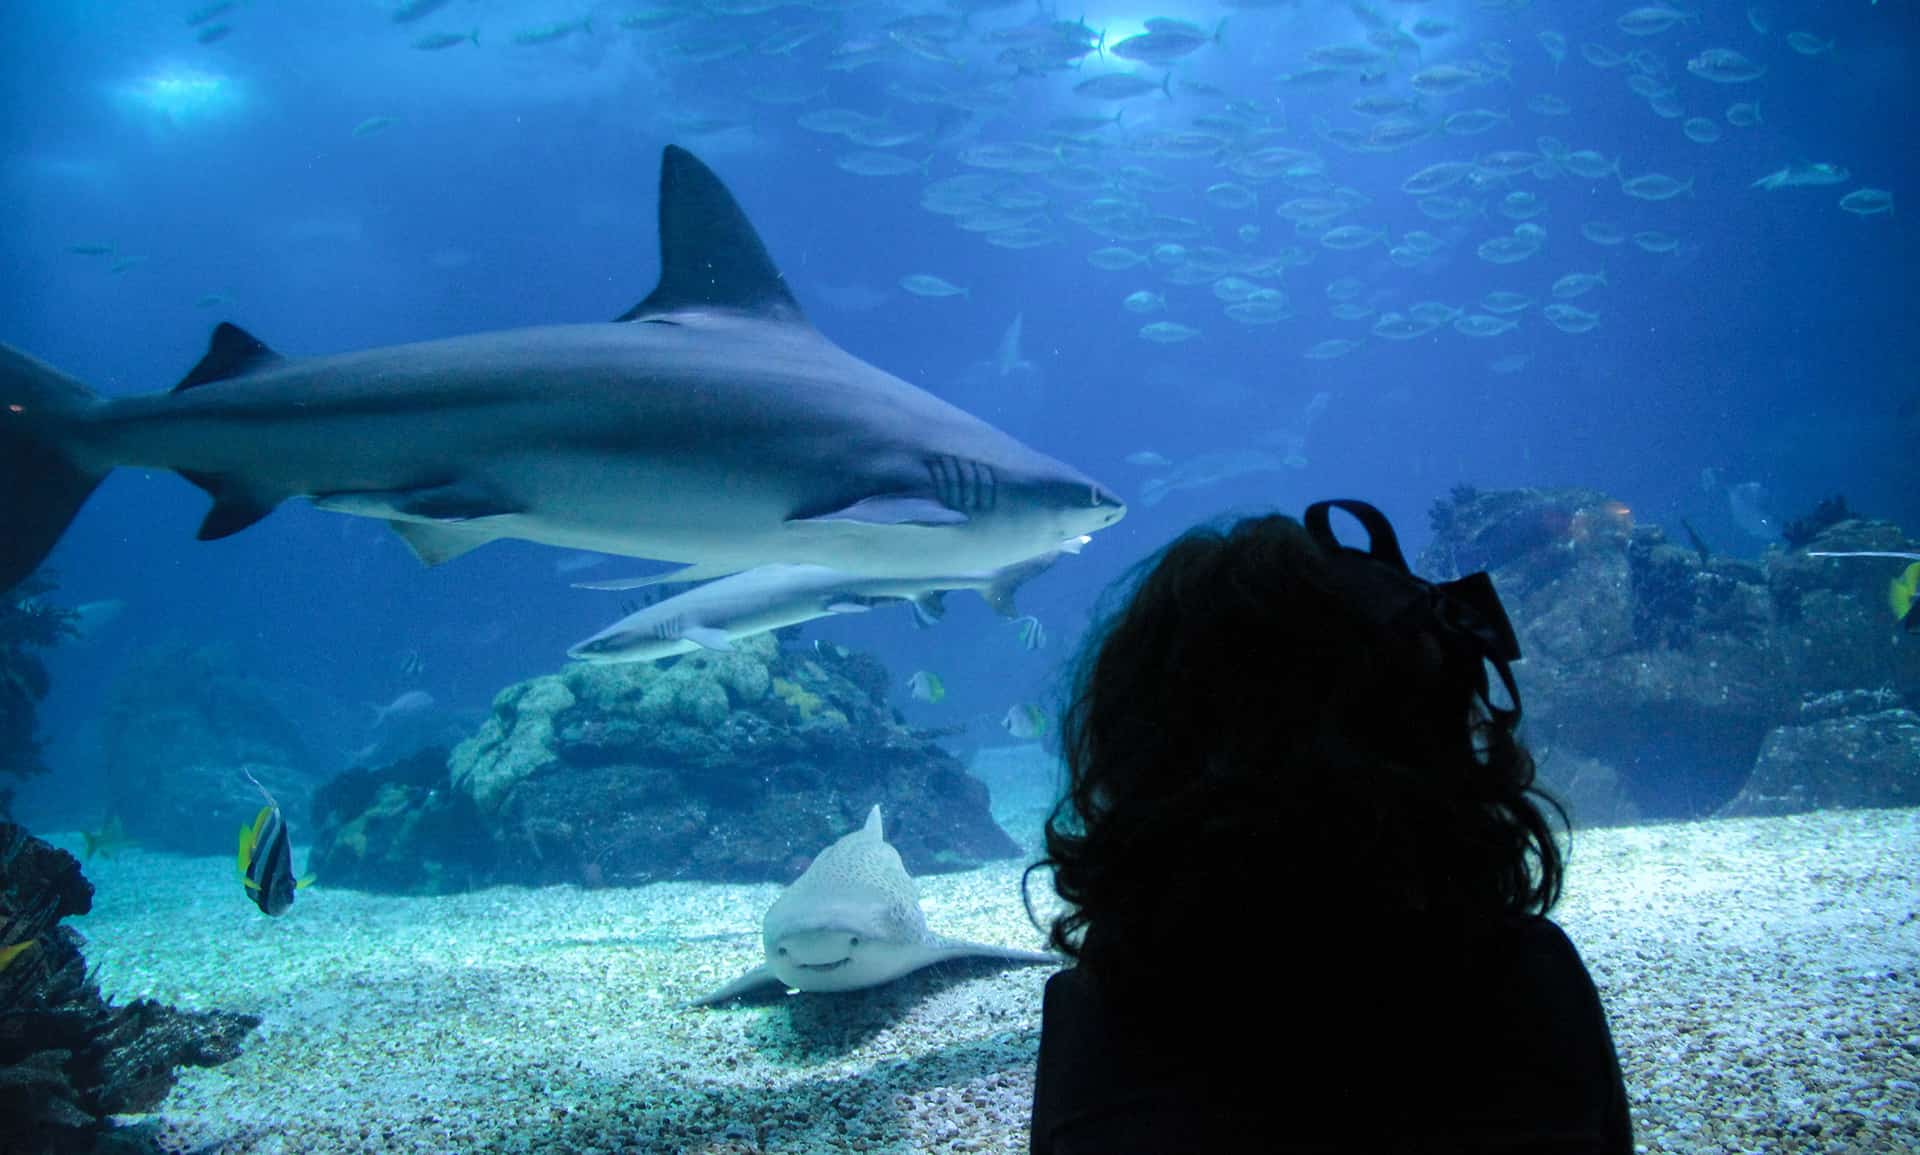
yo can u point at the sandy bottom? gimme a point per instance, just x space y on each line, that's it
1762 976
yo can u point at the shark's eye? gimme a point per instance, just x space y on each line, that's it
853 942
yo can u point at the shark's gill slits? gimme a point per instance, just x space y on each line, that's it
963 485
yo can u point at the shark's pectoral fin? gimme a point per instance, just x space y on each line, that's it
434 543
760 976
234 508
929 608
999 592
697 572
940 950
891 509
708 638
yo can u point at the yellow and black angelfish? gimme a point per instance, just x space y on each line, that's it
266 858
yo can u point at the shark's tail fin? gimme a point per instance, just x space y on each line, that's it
41 485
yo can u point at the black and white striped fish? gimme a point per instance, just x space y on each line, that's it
266 858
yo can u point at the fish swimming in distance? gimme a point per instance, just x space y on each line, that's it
411 704
411 10
107 841
440 41
710 425
1804 174
1866 202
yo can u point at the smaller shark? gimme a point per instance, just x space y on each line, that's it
770 597
1007 360
1007 367
853 920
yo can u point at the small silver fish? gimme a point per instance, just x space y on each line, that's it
928 285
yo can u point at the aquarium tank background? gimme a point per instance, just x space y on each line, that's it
1614 302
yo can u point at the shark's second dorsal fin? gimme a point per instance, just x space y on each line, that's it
710 256
231 353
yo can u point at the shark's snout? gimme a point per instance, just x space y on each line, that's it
598 649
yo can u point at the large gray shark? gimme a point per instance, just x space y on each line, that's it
853 920
710 425
770 597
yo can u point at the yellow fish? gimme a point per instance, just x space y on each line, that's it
1901 596
1902 591
9 953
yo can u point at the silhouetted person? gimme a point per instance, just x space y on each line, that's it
1306 876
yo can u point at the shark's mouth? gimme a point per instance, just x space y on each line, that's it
836 965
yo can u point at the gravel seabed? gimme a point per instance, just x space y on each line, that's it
1762 977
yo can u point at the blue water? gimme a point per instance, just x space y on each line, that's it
516 186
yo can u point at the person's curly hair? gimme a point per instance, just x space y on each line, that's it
1247 733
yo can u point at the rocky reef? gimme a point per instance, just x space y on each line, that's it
1858 748
69 1060
28 623
180 726
731 766
1656 674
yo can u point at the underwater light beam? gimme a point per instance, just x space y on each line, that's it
182 96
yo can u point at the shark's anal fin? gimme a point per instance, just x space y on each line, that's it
233 510
232 352
710 256
890 510
697 572
434 543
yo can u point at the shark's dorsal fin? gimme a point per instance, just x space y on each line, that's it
710 257
231 353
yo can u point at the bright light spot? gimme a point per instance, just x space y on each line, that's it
1118 28
1123 20
183 96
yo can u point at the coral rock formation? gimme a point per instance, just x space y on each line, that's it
69 1059
1654 674
731 766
